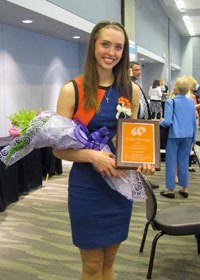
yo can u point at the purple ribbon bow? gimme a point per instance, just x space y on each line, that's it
95 140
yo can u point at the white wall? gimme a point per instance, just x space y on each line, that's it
32 69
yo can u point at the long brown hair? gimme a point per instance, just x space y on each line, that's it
90 74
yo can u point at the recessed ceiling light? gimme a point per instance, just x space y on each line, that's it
179 4
188 25
27 21
76 37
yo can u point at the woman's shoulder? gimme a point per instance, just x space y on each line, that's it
67 88
170 101
135 90
66 100
77 79
70 85
135 86
193 97
67 91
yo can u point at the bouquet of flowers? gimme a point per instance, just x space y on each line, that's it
48 129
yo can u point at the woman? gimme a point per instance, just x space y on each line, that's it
182 121
155 94
99 216
192 86
164 89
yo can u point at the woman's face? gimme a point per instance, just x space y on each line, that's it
193 87
161 83
175 90
109 48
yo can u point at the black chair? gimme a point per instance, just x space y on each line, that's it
176 221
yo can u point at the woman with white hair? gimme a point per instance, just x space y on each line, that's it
180 117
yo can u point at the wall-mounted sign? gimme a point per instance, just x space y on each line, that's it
132 50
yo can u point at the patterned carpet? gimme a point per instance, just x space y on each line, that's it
35 238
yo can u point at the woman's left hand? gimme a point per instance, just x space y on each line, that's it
147 169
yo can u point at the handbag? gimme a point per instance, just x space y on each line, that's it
144 106
164 131
197 153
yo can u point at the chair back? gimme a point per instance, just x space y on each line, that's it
151 202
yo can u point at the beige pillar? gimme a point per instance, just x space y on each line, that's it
129 18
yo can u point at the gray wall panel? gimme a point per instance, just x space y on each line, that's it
35 67
22 58
151 26
57 69
92 10
175 45
196 58
187 56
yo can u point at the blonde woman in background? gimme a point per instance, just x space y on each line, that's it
190 94
182 135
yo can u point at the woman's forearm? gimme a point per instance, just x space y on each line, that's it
83 155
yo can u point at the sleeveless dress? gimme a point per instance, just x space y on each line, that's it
99 216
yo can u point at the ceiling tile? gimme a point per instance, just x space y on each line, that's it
191 4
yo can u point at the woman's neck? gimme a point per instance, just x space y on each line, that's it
106 78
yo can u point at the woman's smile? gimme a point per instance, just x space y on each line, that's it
109 47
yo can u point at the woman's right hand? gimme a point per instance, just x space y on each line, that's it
104 163
147 169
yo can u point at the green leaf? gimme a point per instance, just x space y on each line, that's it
22 119
15 149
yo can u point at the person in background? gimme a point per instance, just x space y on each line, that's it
155 95
144 110
192 86
99 216
181 119
191 94
197 93
165 94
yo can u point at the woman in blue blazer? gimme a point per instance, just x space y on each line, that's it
181 118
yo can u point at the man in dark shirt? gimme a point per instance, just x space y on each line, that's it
144 110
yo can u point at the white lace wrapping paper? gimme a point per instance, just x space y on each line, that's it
51 130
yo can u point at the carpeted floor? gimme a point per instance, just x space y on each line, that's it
35 238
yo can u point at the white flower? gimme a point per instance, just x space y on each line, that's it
121 108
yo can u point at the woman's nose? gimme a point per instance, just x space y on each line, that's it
111 50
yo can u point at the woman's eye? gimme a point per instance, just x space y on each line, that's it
107 45
104 44
119 47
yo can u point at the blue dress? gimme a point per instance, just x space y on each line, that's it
99 216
